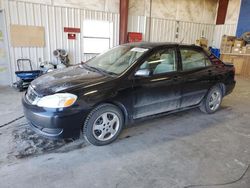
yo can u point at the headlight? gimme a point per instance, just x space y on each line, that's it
58 100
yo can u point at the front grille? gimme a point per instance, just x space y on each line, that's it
31 95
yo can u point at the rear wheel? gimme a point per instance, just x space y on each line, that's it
211 103
103 125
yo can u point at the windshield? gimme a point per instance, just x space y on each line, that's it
116 60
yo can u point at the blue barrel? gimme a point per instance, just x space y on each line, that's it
215 51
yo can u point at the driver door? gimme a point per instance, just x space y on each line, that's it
157 83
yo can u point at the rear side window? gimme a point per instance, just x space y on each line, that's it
192 59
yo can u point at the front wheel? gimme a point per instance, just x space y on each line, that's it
211 103
103 125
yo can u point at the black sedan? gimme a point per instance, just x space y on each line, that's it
127 83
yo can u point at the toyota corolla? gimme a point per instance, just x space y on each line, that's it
129 82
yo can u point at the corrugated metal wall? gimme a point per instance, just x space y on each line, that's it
189 32
163 30
54 19
137 24
220 30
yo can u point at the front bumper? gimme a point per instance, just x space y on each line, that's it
55 123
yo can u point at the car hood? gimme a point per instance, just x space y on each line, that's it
67 79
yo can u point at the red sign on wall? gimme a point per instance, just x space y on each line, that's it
134 37
71 36
72 30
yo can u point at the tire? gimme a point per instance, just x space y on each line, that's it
103 124
211 103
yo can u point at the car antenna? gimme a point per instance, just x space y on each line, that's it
181 41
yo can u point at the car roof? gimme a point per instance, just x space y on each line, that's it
151 45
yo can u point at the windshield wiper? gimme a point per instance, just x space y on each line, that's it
95 69
91 68
108 72
85 66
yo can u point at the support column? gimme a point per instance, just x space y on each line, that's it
123 21
222 12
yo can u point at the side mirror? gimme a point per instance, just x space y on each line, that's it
142 72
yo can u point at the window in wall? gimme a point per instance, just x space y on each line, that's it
162 61
192 59
97 36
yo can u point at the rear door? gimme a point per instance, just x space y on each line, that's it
159 91
197 71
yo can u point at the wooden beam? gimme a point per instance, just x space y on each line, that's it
222 12
123 21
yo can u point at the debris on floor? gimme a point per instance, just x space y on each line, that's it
27 143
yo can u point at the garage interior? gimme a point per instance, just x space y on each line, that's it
185 149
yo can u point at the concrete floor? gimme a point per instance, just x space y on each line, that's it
187 148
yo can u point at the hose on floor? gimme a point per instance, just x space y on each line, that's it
221 184
12 121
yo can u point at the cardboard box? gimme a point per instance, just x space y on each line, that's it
226 46
227 43
226 38
239 43
202 42
236 50
226 49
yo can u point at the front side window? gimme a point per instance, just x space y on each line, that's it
192 59
162 61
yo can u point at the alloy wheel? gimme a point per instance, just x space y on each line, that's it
215 100
106 126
